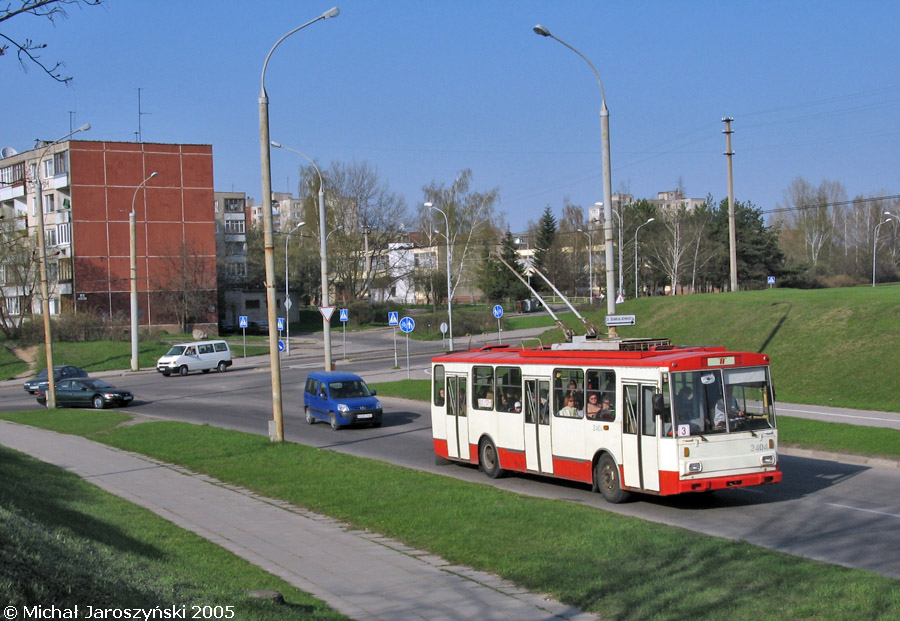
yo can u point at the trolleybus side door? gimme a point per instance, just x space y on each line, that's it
538 455
457 417
640 446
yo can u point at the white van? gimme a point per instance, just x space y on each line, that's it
197 356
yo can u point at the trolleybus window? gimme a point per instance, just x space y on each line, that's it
509 389
601 395
438 385
723 401
568 392
483 388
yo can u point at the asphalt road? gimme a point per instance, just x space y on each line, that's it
837 512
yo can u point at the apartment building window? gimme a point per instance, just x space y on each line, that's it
237 269
13 305
49 202
65 271
234 204
234 227
11 175
64 233
48 168
52 272
61 162
50 237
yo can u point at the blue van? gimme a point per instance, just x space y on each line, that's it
341 399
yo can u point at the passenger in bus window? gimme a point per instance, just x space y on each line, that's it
593 408
569 410
607 412
517 406
440 399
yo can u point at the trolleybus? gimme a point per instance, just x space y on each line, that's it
622 415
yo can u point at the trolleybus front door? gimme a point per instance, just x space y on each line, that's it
640 446
538 456
457 417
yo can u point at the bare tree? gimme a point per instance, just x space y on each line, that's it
470 217
186 286
18 276
671 245
28 50
811 212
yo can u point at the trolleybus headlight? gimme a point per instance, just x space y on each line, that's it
695 466
767 460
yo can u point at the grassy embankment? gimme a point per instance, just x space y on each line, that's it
616 566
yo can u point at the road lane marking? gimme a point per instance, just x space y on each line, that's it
853 416
894 515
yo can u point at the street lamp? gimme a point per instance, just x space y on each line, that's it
276 431
132 229
607 181
449 256
525 259
287 298
42 256
590 264
335 230
635 256
615 212
323 255
875 246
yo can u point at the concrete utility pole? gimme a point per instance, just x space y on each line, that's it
732 238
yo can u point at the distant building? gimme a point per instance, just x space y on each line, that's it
89 188
674 199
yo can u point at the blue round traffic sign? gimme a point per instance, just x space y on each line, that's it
280 345
407 324
498 311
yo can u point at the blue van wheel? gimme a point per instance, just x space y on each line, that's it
334 421
309 417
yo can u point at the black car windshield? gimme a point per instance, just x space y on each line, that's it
349 389
96 383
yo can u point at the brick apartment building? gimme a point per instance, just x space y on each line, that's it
88 191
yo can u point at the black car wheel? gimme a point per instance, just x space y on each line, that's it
97 402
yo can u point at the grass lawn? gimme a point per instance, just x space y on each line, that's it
66 542
612 565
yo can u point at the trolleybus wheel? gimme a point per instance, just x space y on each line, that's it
607 474
489 460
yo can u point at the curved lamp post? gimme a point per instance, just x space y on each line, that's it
276 431
449 256
287 299
875 246
615 212
42 256
323 255
607 183
635 256
132 229
590 264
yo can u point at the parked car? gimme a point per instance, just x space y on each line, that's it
341 399
86 392
197 356
62 372
260 328
226 327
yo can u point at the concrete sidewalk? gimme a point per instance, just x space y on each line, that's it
361 574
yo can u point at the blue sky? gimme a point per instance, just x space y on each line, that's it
424 88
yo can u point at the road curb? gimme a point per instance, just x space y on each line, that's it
861 460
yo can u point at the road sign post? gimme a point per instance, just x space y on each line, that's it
242 322
344 316
394 320
498 313
407 325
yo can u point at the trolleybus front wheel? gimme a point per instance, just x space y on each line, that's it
607 475
489 460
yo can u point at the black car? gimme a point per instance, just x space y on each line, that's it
259 328
87 392
226 327
62 372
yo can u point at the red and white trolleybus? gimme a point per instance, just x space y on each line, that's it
623 415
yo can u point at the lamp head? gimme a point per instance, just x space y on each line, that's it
84 128
153 174
332 12
541 31
277 145
650 220
428 204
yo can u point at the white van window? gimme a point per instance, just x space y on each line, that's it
206 348
221 346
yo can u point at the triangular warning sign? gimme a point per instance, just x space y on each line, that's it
327 312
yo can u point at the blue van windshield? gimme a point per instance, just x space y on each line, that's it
349 389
